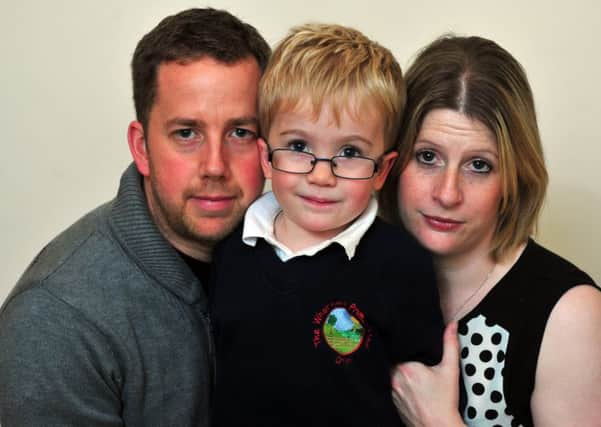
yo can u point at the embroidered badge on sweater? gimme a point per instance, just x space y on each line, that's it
342 327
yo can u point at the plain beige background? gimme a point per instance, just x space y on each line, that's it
66 99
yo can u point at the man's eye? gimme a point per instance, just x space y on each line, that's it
350 152
185 133
297 145
242 133
426 157
480 166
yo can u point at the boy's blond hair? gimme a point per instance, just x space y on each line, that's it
319 63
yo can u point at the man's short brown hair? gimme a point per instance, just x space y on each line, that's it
190 35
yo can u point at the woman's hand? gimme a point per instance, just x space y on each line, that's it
429 396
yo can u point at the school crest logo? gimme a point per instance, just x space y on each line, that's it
342 327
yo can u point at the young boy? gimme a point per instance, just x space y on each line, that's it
315 299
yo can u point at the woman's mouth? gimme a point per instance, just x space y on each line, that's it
442 224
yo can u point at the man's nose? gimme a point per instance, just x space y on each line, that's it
215 158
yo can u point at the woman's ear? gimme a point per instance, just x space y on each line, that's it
264 155
384 169
137 146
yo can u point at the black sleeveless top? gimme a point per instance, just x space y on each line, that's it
501 337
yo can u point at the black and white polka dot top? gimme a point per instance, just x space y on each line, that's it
500 338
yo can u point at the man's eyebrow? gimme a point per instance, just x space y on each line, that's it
244 121
192 123
182 121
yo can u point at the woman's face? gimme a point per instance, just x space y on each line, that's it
449 193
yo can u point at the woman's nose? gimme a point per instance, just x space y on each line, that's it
448 189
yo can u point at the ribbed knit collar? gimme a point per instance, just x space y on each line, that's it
137 233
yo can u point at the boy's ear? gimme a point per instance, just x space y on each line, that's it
137 146
384 169
264 154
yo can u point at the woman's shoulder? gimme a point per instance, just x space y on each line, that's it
533 285
540 266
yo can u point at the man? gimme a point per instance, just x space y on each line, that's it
108 325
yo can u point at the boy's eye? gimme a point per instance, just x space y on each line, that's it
297 145
480 166
426 157
349 152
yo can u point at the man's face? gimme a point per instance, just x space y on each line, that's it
200 159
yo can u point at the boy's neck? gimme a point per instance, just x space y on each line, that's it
296 238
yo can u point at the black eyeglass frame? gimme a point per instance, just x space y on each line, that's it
331 160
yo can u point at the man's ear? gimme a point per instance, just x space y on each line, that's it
137 146
385 166
264 154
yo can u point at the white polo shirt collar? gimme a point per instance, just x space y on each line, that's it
260 216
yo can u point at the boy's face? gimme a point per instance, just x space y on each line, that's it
318 205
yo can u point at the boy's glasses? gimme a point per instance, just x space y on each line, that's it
301 162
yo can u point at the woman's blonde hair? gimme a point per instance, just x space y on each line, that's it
476 77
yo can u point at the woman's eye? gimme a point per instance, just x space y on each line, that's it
297 145
350 152
480 166
426 157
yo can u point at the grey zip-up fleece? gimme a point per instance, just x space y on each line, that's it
107 327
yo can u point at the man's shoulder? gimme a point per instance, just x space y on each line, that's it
37 296
71 257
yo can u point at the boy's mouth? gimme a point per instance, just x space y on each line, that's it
318 201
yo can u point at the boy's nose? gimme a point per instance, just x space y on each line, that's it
322 173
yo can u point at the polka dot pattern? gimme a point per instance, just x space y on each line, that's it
483 348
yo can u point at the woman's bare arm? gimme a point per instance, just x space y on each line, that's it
567 388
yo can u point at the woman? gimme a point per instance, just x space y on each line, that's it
469 186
